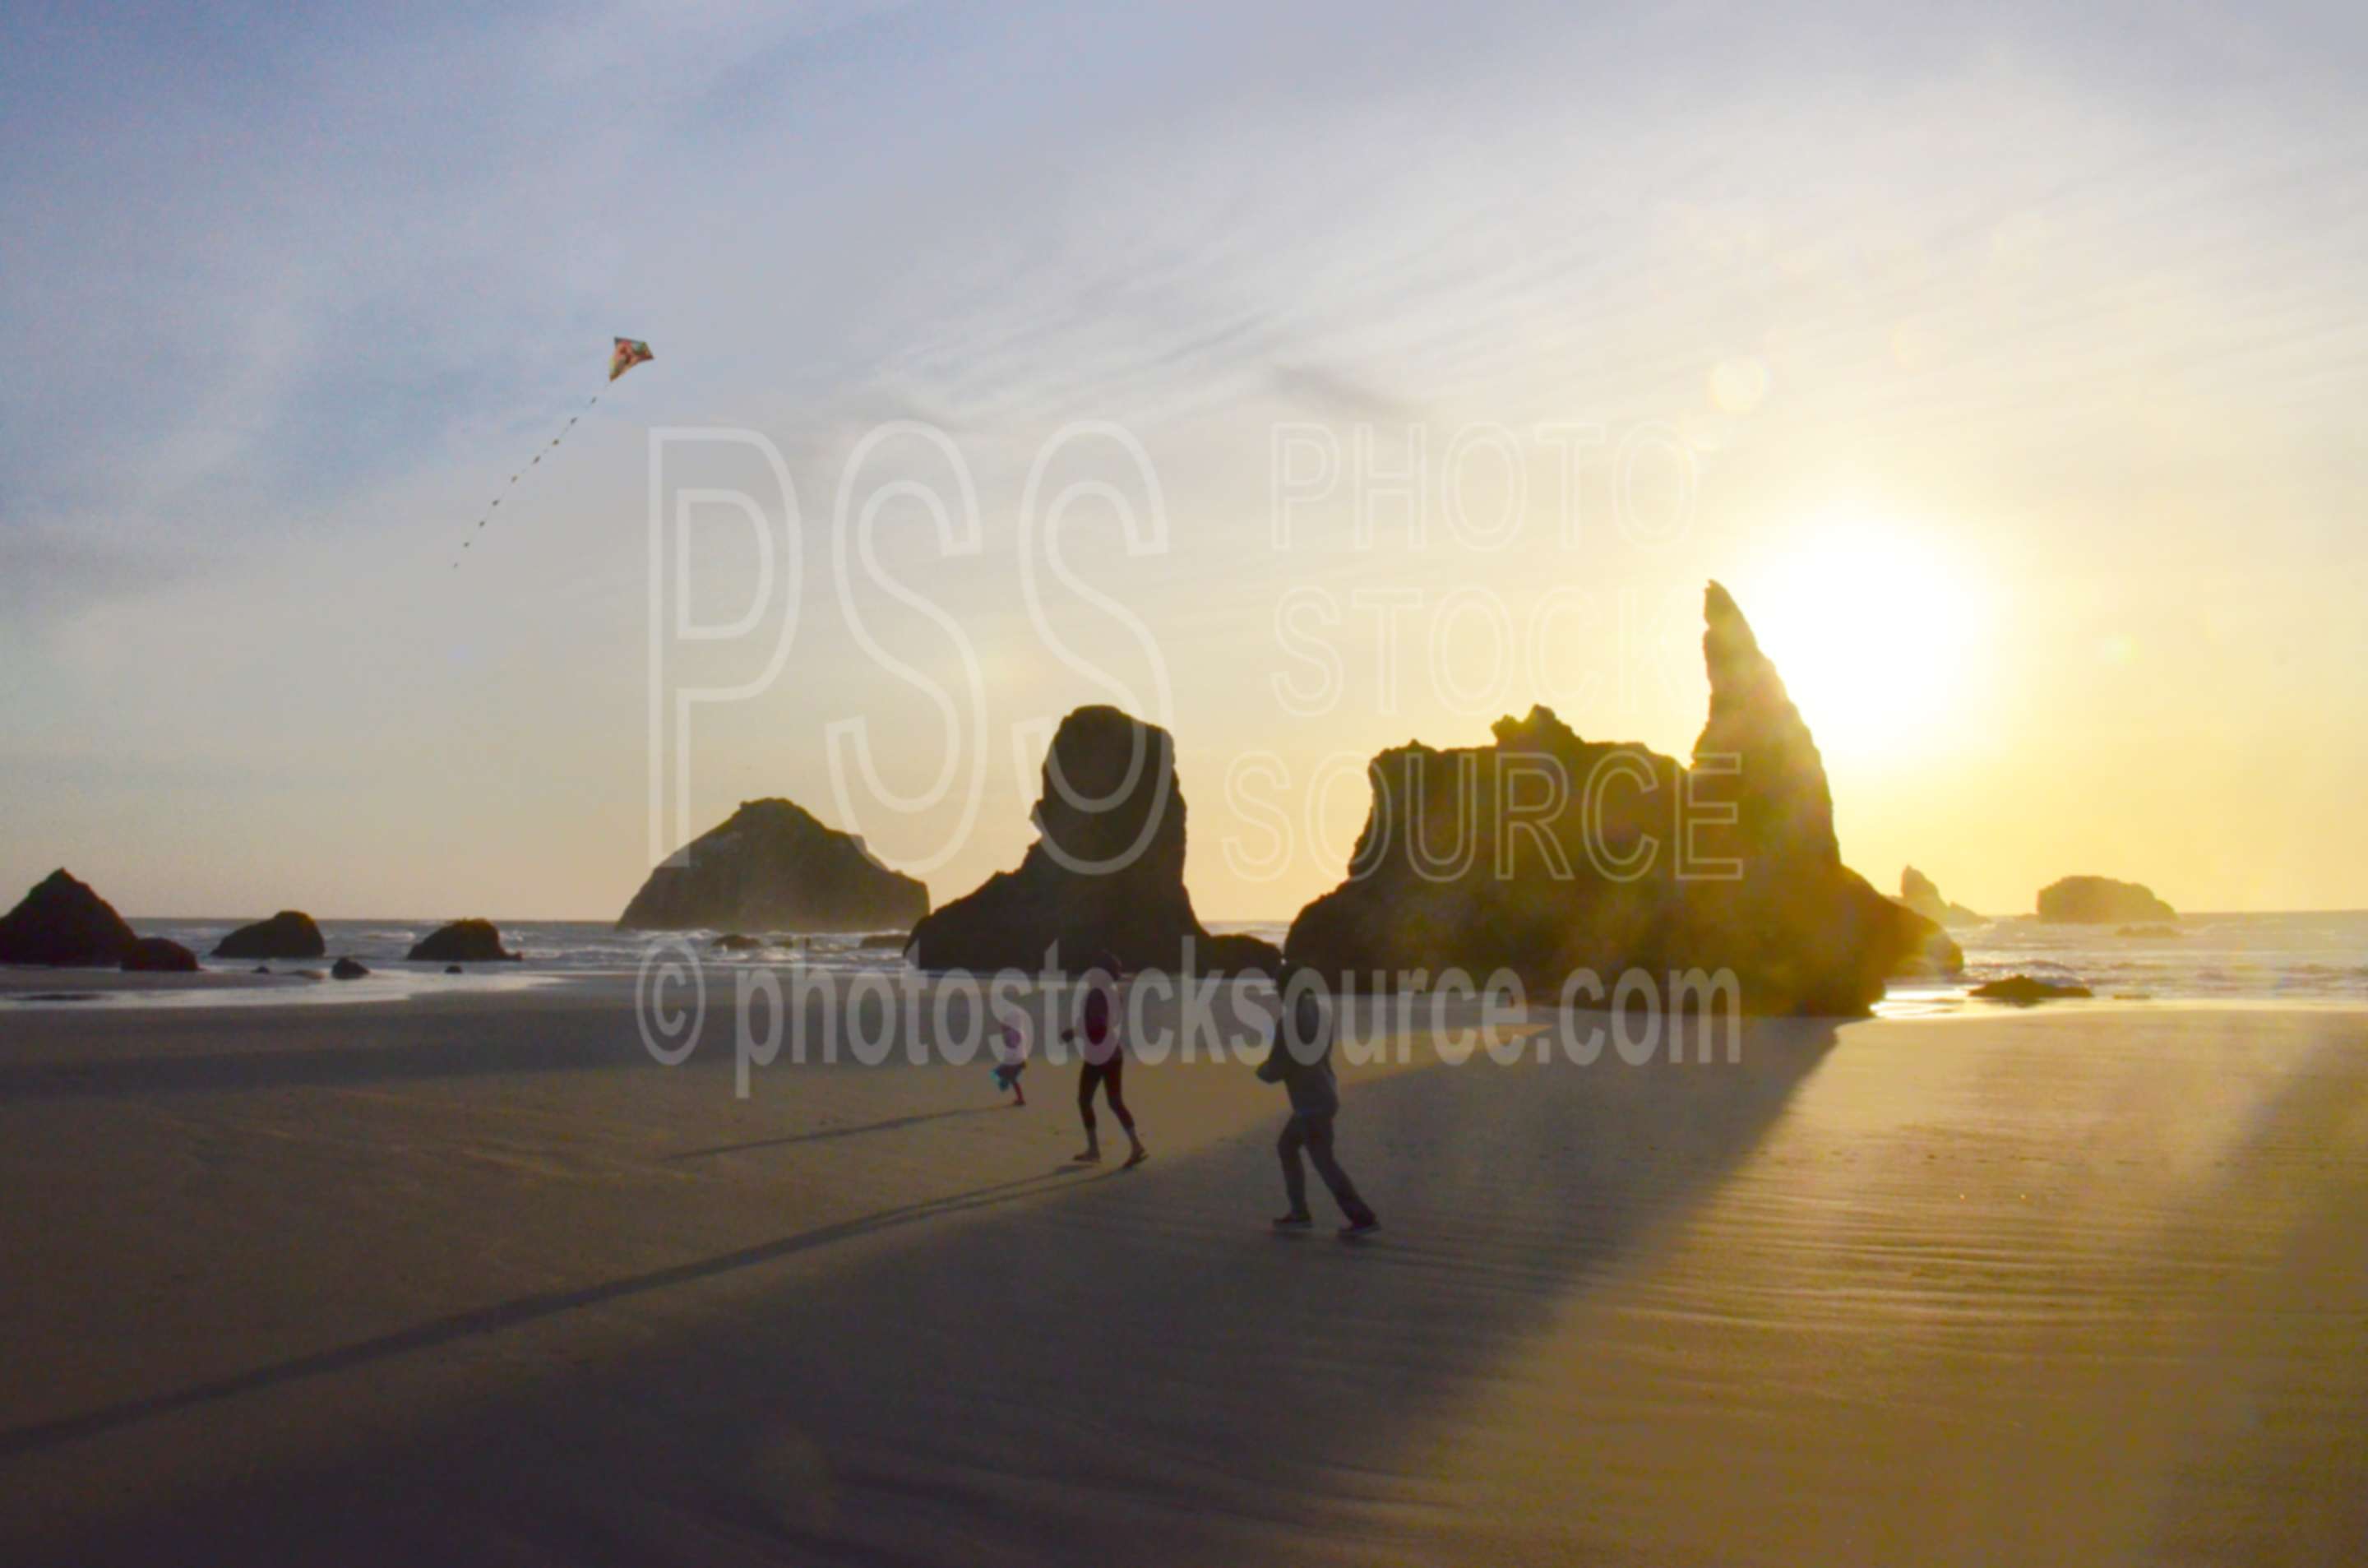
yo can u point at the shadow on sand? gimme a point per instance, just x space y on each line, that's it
1128 1371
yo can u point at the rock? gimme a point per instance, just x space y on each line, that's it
1917 893
1106 873
347 968
262 969
733 942
463 941
1238 953
772 866
63 923
2098 901
1546 854
2149 931
878 940
159 955
454 969
2022 991
290 933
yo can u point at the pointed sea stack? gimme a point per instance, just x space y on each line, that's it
1547 854
1804 932
1920 893
1105 875
64 924
771 866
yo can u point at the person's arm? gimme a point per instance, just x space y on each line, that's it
1277 1065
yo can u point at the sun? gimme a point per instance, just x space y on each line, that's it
1877 626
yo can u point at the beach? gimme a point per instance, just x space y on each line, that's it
472 1278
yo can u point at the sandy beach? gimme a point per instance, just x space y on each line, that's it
471 1279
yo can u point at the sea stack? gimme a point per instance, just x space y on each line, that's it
1548 854
290 933
65 924
1918 892
462 941
2101 901
772 865
1105 875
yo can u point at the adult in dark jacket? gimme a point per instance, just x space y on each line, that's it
1301 1060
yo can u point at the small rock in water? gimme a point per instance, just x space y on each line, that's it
463 941
159 955
347 968
2022 991
452 968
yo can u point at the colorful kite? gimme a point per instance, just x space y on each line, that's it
628 353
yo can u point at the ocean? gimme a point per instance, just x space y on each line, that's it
2314 955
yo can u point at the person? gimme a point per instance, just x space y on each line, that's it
1105 1065
1010 1060
1301 1060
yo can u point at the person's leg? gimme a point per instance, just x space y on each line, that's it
1294 1176
1087 1077
1344 1191
1114 1089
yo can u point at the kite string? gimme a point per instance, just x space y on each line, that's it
496 504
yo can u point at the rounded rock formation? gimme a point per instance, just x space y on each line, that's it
771 866
2101 901
462 941
290 933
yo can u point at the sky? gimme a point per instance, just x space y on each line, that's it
1308 379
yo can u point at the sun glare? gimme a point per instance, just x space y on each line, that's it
1875 625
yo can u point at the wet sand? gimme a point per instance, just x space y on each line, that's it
470 1279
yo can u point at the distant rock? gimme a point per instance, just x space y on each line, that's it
1105 875
2101 901
877 940
1238 953
2149 931
347 969
1549 854
771 866
290 933
733 942
2022 991
159 955
1918 894
463 941
63 923
454 969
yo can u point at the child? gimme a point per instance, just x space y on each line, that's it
1301 1060
1010 1060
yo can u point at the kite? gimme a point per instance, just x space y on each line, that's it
626 353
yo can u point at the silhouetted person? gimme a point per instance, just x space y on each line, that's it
1301 1060
1105 1067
